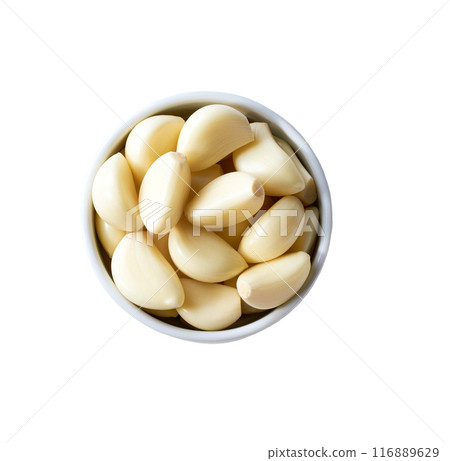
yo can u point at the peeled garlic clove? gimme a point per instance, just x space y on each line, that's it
203 255
245 308
143 276
114 194
108 235
199 179
308 233
274 232
220 203
209 306
270 284
268 162
164 192
309 194
148 140
165 314
233 234
211 133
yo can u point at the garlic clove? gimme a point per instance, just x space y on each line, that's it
148 140
211 133
143 276
114 194
227 200
164 192
203 255
307 240
245 308
209 306
270 284
309 194
268 162
108 235
274 232
199 179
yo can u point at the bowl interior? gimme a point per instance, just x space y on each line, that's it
184 106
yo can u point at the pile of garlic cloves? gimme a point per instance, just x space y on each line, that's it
209 218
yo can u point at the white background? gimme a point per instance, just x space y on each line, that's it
373 372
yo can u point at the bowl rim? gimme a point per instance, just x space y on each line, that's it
306 155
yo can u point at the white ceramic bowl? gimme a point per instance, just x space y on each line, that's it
184 105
